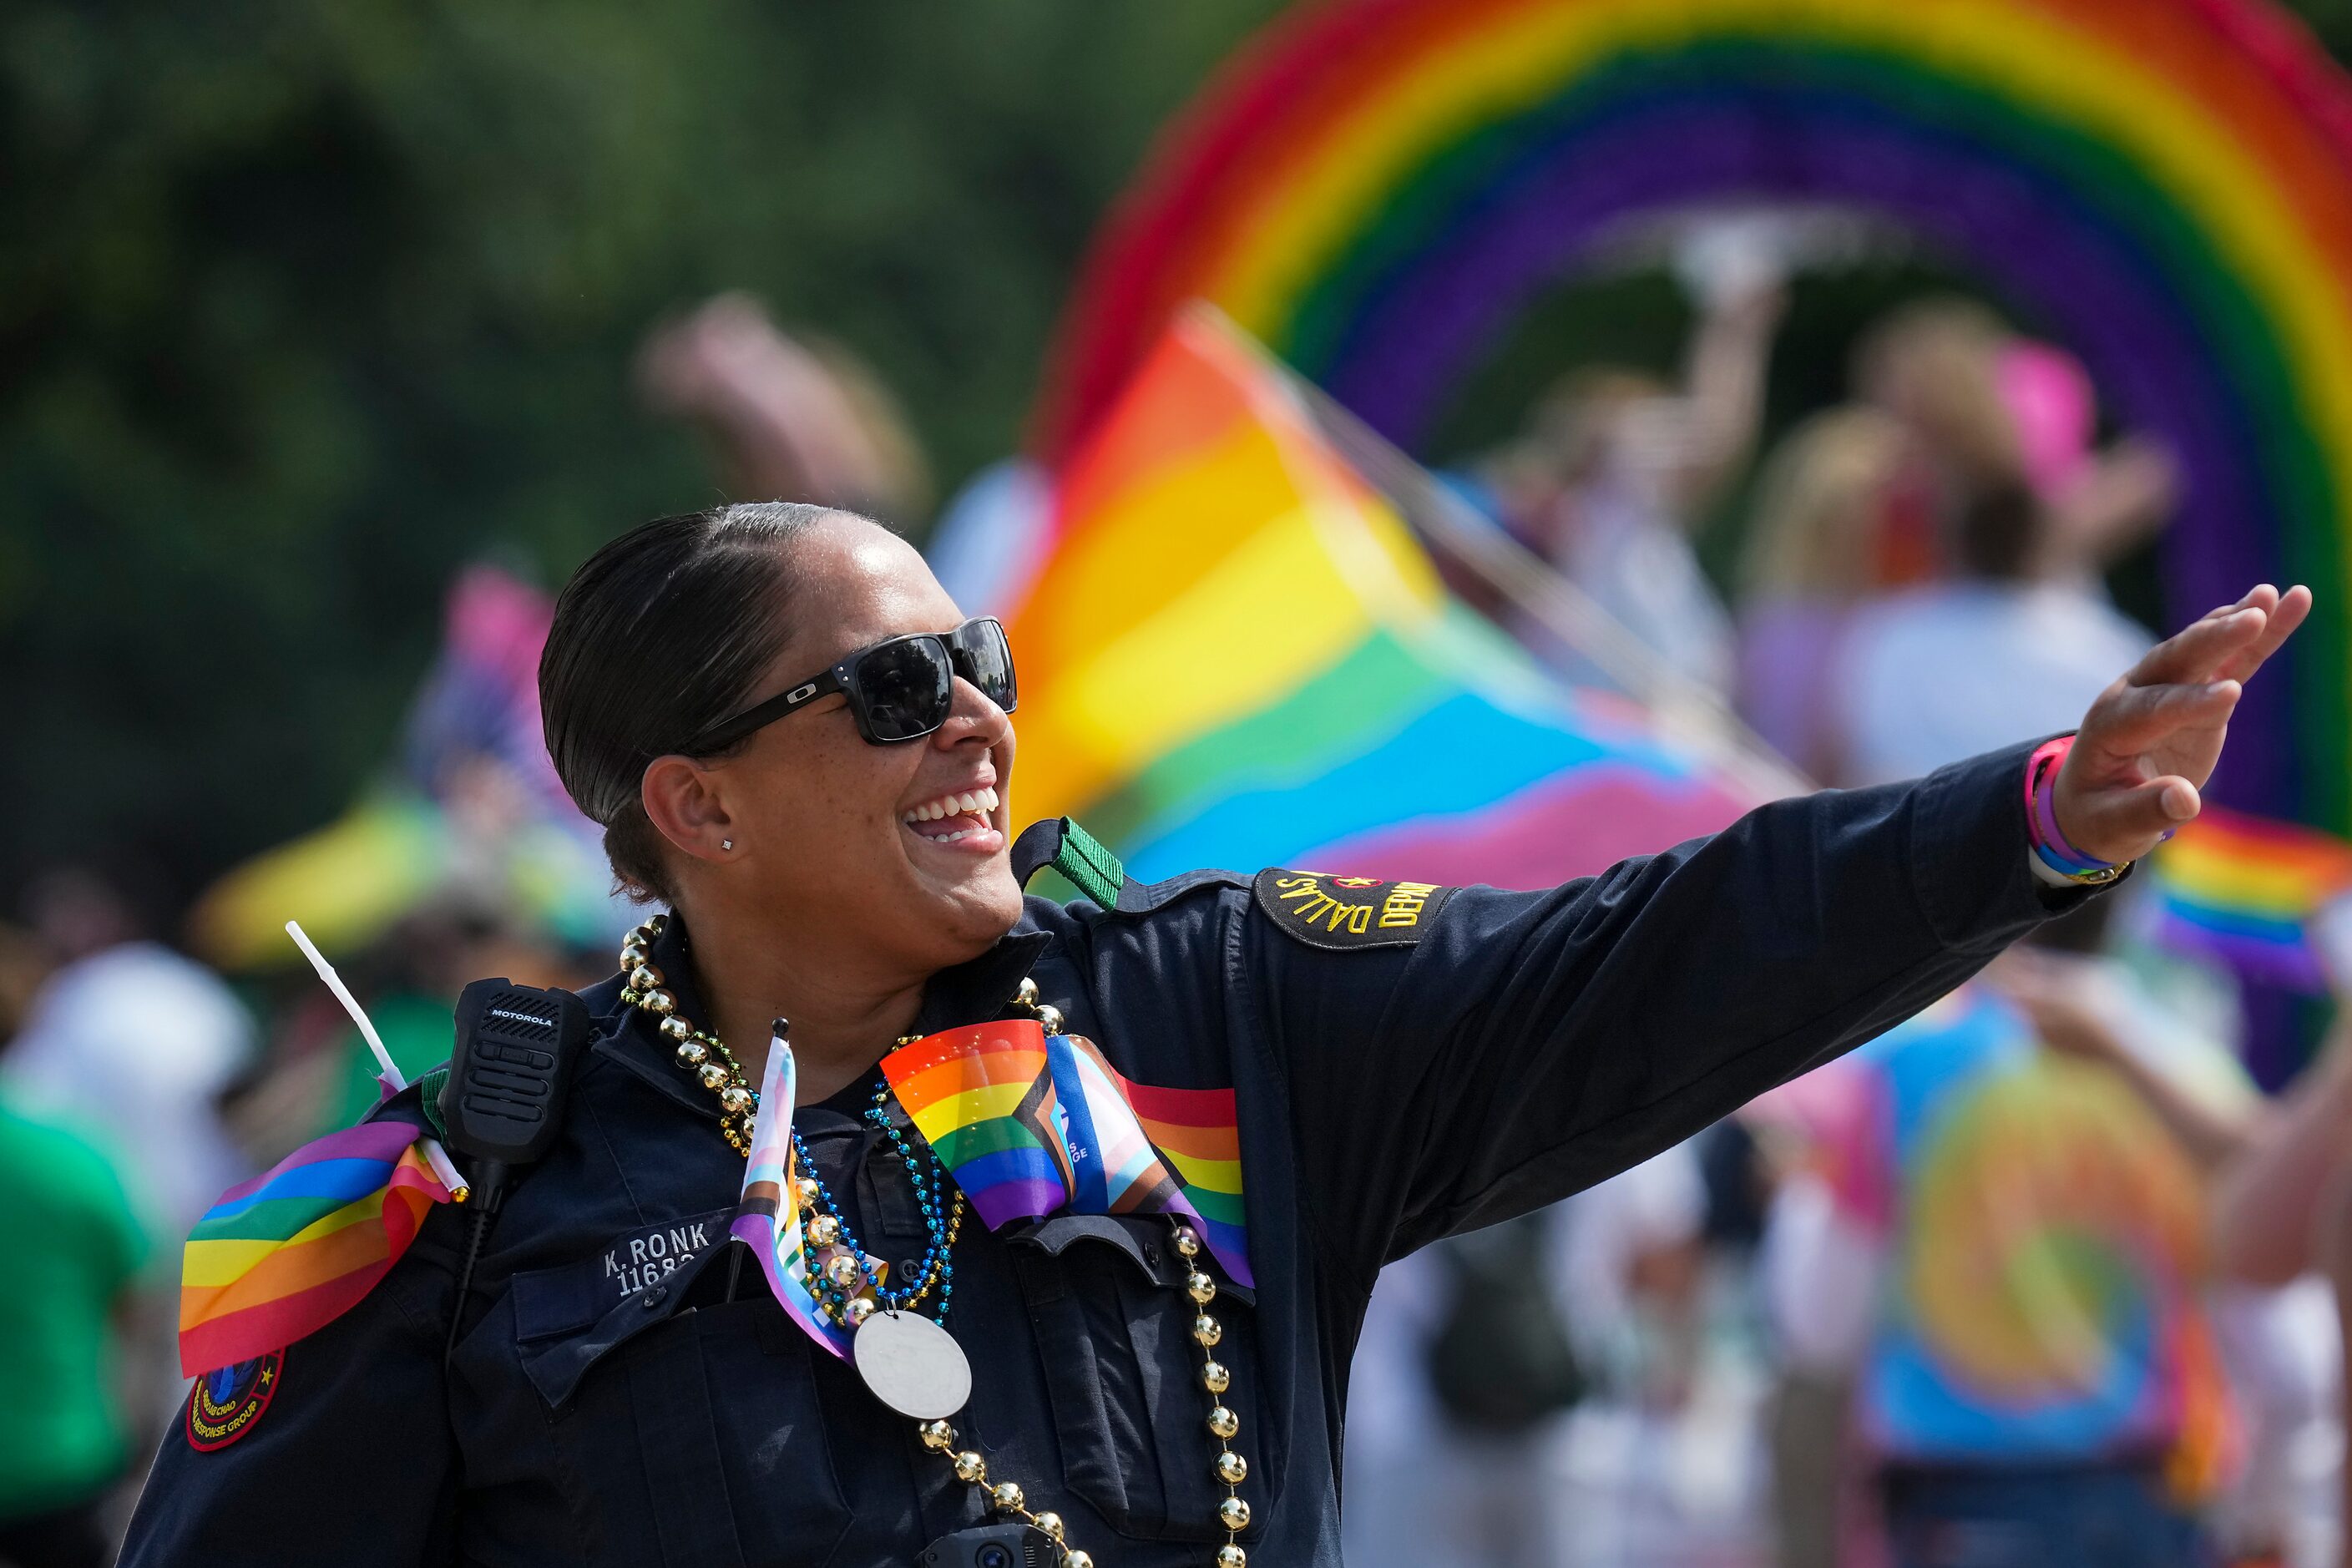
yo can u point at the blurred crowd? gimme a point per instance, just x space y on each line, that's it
2043 1266
2040 1275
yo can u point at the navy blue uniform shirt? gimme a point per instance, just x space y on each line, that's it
622 1393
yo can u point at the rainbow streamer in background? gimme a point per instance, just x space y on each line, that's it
286 1253
1032 1125
474 799
1312 695
768 1219
1379 190
2244 890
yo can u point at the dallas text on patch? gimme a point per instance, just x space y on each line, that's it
1349 912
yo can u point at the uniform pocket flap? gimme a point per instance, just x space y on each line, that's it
1148 1243
567 1319
549 1303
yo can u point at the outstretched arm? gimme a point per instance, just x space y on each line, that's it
1522 1046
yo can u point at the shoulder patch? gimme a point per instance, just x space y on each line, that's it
1344 913
228 1402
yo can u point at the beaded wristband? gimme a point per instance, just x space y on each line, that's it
2042 817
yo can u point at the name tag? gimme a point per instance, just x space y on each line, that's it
643 1258
570 1297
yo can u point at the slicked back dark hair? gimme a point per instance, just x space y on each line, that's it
659 636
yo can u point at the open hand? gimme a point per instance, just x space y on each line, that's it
2150 743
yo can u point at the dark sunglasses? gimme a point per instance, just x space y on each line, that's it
900 690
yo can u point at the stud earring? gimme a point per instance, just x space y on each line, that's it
726 844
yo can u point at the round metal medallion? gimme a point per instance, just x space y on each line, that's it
912 1364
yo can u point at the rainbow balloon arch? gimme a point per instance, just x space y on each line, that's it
1377 188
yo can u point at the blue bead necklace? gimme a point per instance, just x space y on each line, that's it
841 1297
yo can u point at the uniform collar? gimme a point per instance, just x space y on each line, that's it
968 993
978 990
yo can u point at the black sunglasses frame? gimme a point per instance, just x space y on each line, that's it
956 649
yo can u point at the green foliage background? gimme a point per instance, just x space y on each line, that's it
302 306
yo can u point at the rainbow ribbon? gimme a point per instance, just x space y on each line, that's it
768 1219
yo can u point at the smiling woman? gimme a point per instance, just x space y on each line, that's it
1189 1121
777 797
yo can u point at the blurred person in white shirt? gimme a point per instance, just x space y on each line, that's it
132 1037
1618 469
1925 676
136 1043
1472 1464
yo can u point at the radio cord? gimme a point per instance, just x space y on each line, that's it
490 1192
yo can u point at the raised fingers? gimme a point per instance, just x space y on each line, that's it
2286 614
2196 652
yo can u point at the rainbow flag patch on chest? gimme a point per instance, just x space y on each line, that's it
1032 1124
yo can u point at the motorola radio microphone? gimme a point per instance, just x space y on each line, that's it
502 1105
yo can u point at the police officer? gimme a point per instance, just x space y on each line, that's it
798 744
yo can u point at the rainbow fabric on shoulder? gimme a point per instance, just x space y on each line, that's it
1032 1124
289 1252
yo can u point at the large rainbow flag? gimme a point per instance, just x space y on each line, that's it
1378 189
286 1253
2245 890
1239 656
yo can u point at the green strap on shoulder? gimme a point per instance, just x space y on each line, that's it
1091 868
429 1086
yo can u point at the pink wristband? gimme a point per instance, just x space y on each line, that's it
2042 812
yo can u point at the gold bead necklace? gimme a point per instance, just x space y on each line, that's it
1005 1498
710 1059
854 1284
704 1055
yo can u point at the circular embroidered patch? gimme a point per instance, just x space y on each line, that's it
1346 912
226 1404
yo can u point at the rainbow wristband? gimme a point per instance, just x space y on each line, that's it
2041 818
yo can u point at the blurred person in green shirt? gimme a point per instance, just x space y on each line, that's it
75 1248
